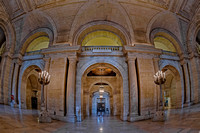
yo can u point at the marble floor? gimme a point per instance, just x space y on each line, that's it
13 120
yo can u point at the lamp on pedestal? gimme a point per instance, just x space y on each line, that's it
159 79
44 79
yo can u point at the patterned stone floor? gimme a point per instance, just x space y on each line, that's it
13 120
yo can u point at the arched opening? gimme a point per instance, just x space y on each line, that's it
2 42
172 93
198 42
102 91
36 44
30 91
33 92
164 44
100 103
167 41
101 38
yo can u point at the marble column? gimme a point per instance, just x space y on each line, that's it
87 96
71 90
187 84
15 83
5 67
133 110
157 90
46 68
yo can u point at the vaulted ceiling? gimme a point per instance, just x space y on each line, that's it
65 17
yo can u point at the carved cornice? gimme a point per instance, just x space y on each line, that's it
142 49
61 49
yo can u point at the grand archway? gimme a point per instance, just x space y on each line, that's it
115 87
30 89
102 85
172 92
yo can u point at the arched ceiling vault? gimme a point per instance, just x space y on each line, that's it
65 17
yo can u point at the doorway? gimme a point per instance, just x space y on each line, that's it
102 85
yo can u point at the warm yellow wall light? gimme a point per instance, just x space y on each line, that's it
38 44
101 38
164 44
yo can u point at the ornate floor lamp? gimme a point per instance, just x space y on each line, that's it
160 79
44 79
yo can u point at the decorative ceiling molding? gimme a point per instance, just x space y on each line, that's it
157 3
14 8
161 3
188 8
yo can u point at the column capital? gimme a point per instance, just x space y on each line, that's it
18 61
18 56
7 54
131 59
183 61
72 59
156 59
46 59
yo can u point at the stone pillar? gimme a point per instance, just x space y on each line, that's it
71 90
15 83
46 68
133 110
4 82
157 89
87 96
187 84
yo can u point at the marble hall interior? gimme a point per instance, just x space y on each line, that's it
100 66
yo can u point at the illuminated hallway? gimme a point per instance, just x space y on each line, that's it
71 60
178 120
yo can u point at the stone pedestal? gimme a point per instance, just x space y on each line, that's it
44 117
133 117
159 116
70 118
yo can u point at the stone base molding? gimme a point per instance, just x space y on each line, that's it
159 116
70 118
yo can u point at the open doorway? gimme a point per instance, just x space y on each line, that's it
102 91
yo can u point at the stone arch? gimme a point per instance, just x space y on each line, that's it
89 104
35 20
127 24
33 91
9 32
157 22
33 35
103 25
176 69
193 30
114 90
97 81
170 36
25 70
124 92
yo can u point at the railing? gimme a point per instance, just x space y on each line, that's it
33 52
101 49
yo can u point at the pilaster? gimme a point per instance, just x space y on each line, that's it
71 117
133 87
187 82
